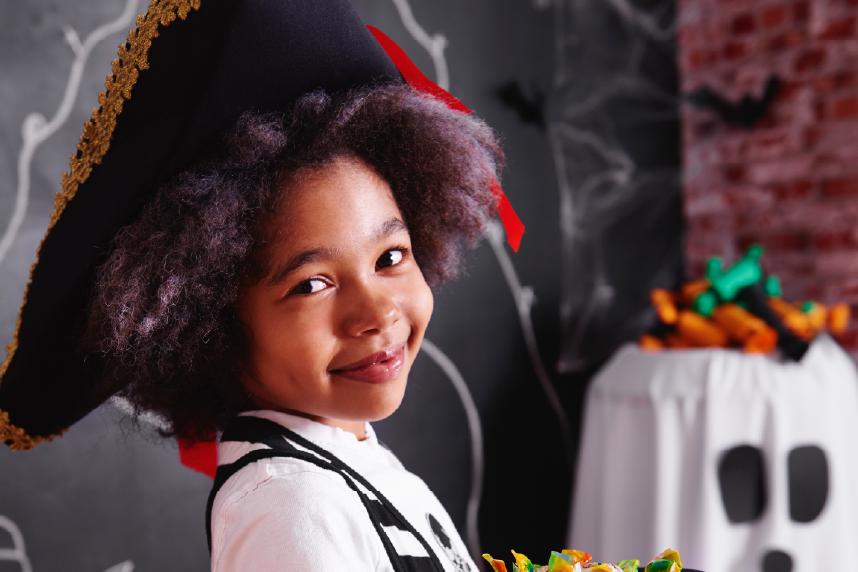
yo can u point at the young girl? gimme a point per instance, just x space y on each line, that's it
299 264
274 287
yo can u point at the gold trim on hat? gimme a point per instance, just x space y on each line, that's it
17 438
132 58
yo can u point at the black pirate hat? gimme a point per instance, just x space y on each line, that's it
185 73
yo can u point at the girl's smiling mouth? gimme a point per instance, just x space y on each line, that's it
379 367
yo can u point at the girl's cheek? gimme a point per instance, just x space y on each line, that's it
423 303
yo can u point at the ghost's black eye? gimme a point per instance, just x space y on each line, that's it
742 475
808 482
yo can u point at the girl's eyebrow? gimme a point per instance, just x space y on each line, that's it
388 227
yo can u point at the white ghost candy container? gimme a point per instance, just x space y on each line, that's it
744 461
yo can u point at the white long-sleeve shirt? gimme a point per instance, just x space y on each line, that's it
288 514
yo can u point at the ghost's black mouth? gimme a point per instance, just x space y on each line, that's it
776 561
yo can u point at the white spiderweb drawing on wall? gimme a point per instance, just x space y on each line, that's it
613 128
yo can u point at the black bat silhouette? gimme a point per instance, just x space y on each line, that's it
746 112
530 109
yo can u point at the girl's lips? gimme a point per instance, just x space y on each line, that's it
379 372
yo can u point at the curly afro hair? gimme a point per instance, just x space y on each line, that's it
162 308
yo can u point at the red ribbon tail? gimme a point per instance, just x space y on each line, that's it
200 456
512 224
411 73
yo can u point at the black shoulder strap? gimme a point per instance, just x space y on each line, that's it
381 511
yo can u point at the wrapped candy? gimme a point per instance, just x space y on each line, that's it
662 565
522 562
699 331
667 561
671 554
838 318
739 307
745 328
664 304
497 565
573 560
578 556
559 562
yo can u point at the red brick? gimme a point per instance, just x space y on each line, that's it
787 263
712 223
734 50
845 289
705 128
838 29
749 200
845 107
771 143
801 11
786 241
755 222
696 267
773 16
782 170
745 240
692 35
836 264
845 79
794 190
750 79
789 88
835 164
701 59
824 83
701 246
812 58
743 24
838 188
729 148
835 239
812 290
812 136
837 140
784 40
705 204
734 173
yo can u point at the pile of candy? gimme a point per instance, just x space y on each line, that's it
570 560
739 307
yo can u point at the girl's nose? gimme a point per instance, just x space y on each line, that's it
374 310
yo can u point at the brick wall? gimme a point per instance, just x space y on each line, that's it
791 181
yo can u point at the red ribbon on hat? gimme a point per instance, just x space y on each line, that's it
411 73
202 456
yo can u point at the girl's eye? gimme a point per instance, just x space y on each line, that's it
306 287
393 256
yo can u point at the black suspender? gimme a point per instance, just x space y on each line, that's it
381 511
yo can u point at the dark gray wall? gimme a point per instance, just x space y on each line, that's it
592 171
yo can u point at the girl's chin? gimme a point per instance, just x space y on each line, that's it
378 411
383 409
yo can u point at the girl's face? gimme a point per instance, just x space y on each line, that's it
344 286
